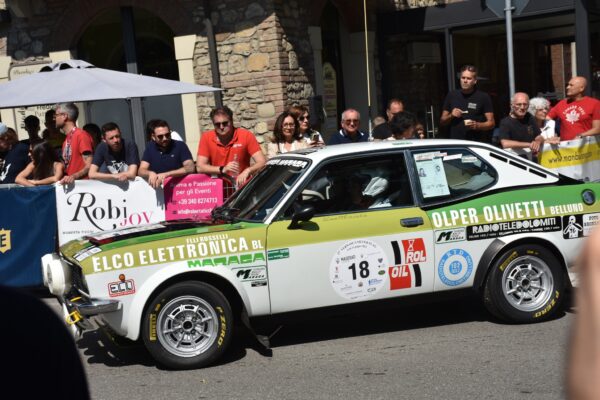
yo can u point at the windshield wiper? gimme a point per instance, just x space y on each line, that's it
225 214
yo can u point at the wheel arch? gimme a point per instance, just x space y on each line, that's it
498 246
238 300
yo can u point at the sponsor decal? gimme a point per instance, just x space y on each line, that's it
401 276
572 226
259 283
358 269
278 254
414 250
200 250
450 235
494 230
250 274
227 260
455 267
121 288
5 243
590 221
288 162
501 213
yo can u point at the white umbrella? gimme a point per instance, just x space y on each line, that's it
78 81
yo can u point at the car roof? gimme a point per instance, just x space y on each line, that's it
324 152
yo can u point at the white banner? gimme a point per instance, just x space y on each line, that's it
88 206
579 158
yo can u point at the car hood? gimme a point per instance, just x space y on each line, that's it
79 249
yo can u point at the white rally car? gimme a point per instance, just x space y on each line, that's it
331 228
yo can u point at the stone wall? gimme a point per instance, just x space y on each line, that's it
264 56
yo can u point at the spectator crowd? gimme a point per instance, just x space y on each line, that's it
65 153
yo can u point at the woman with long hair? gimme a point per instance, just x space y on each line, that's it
301 114
286 136
44 169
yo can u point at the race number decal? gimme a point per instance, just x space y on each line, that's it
358 269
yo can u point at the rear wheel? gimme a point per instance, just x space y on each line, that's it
525 284
188 325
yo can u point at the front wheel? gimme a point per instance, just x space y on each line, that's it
188 325
525 284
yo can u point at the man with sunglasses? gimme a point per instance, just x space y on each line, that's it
227 150
164 157
468 111
349 133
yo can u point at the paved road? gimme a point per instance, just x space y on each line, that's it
450 350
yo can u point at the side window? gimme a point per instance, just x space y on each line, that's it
451 173
358 184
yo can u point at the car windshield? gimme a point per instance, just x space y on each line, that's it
256 200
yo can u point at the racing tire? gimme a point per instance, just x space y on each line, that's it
188 325
525 284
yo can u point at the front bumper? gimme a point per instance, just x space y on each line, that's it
65 281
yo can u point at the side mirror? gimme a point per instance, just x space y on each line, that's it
302 215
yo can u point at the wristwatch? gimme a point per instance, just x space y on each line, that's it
221 169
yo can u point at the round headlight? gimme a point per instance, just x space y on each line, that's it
59 277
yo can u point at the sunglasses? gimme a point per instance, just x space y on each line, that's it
163 136
304 118
221 124
352 121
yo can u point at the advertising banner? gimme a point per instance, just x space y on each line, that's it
192 196
579 158
27 232
91 206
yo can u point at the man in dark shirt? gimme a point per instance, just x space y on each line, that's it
115 158
383 131
165 157
349 132
519 131
14 156
468 111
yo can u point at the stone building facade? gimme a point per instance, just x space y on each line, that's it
271 53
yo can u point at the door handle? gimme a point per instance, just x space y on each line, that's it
410 222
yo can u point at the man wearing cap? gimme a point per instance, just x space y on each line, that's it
14 156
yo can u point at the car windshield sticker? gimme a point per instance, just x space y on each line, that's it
453 157
358 269
432 177
287 162
455 267
469 159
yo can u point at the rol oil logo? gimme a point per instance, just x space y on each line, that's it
414 251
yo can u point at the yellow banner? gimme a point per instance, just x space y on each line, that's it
579 158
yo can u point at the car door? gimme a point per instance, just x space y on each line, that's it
449 181
366 241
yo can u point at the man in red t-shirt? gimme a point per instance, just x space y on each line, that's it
579 115
228 150
77 149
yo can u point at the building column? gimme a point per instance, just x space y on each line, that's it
582 39
184 54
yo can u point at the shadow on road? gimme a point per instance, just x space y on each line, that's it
102 348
